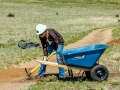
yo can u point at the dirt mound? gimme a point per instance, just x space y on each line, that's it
11 73
115 41
114 74
35 79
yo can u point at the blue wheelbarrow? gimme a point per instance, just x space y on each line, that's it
83 58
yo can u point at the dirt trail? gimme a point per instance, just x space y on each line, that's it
15 78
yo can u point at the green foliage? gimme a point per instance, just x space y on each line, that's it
117 15
11 15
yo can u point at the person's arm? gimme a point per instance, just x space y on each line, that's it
44 46
56 37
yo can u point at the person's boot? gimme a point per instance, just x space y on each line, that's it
61 73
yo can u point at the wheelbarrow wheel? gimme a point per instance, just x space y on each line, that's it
99 73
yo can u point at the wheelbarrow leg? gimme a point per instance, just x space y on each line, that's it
81 75
70 72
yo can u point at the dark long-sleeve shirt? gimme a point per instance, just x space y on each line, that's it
54 37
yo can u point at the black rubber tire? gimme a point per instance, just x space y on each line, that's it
88 75
99 73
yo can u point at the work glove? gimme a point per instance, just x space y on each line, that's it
50 43
44 58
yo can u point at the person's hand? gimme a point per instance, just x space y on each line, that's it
44 58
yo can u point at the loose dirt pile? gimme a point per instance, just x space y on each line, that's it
115 41
10 74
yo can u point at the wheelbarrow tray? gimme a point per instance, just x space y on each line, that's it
85 56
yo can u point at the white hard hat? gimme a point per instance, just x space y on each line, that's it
40 28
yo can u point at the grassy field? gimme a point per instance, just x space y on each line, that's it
74 19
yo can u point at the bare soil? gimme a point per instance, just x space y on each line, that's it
115 41
15 78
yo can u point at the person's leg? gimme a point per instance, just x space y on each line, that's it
42 69
61 70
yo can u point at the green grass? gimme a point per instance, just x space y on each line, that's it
67 84
73 20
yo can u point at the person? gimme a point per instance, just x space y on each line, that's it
50 40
